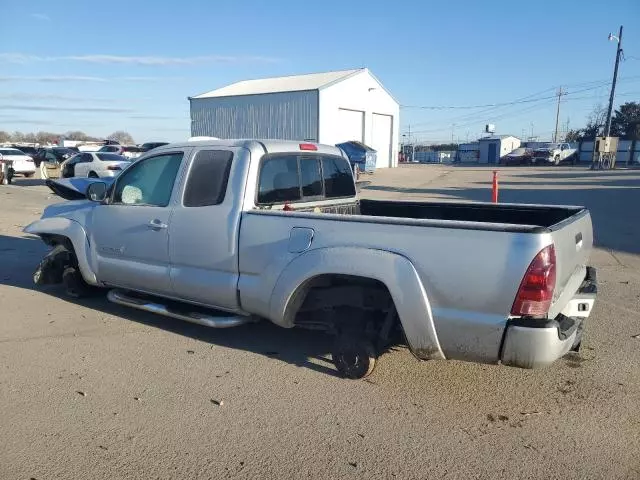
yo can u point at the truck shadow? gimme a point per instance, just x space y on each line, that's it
19 256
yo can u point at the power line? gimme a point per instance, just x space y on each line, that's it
593 85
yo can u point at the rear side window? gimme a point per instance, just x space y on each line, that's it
208 178
293 178
338 179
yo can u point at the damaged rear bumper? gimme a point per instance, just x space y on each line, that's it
534 343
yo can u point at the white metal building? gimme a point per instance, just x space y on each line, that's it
493 148
330 108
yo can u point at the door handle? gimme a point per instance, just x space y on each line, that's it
157 225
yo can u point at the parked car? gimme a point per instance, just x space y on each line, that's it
128 151
31 151
520 156
151 145
553 153
94 165
21 163
221 233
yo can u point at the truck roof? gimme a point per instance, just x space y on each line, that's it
268 145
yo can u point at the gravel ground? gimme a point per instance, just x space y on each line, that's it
92 390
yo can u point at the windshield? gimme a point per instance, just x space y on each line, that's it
111 157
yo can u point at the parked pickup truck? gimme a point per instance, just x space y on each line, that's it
553 153
223 233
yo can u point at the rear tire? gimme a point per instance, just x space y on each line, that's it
93 175
353 358
28 174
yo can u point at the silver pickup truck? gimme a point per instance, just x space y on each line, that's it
227 232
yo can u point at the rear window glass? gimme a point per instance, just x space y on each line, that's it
133 149
11 151
279 180
338 178
208 178
111 157
310 177
292 178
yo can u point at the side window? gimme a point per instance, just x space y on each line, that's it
310 177
208 178
279 180
338 179
149 182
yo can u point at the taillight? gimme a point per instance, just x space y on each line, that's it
536 289
114 167
308 146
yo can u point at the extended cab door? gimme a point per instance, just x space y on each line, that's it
129 233
203 234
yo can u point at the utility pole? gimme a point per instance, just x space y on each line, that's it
555 135
607 125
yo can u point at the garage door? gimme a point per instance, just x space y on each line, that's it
351 125
381 138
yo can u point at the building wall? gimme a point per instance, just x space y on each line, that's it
508 145
505 145
624 152
286 116
354 94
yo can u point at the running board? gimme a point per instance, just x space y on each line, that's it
184 312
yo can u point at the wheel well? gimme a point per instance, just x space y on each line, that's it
328 302
54 240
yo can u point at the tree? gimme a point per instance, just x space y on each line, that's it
75 135
574 135
122 137
626 121
17 137
46 137
5 136
595 122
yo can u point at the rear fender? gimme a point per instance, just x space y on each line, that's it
64 227
396 272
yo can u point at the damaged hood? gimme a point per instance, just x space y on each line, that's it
74 188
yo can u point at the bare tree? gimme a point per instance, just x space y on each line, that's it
75 135
595 121
122 137
5 136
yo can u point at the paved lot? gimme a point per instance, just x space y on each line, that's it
92 390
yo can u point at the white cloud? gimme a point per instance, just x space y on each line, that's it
151 117
51 79
53 108
136 60
78 78
41 16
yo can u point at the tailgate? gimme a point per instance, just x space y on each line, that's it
573 240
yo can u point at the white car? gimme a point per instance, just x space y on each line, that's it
94 165
129 151
21 163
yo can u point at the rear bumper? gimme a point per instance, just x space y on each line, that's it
534 343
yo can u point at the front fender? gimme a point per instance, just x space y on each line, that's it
72 230
393 270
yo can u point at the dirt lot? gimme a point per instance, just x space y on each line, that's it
92 390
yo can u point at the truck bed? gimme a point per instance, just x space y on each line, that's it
536 217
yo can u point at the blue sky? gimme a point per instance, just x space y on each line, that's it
71 65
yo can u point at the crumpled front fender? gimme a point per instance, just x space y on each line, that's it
74 231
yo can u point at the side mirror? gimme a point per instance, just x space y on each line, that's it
97 192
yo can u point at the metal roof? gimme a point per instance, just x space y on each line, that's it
496 137
293 83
